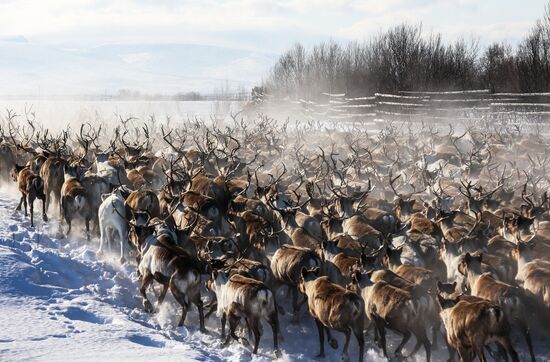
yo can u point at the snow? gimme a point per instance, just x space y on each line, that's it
59 302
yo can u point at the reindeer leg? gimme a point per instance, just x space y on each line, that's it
406 337
60 205
427 345
165 284
527 335
464 354
25 205
223 321
248 327
360 341
180 298
257 334
47 200
480 355
450 349
44 215
18 208
435 329
200 307
507 345
87 222
233 324
273 320
122 246
294 294
345 356
321 330
382 333
69 225
212 308
144 283
103 232
31 202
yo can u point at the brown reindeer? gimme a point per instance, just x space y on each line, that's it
471 325
163 261
74 199
31 187
241 297
52 172
333 307
533 273
389 306
510 298
287 264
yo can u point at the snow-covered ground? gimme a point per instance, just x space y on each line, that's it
59 302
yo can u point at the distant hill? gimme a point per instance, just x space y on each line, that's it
27 68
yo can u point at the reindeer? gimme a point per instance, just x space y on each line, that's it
163 261
112 223
287 264
74 199
242 297
31 187
390 306
510 298
533 273
333 307
472 325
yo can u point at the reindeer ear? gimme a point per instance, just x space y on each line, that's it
441 300
356 276
369 273
439 285
467 258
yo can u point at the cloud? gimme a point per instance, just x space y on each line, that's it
216 22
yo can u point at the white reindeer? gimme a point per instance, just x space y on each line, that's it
111 222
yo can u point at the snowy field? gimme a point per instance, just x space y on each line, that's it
59 303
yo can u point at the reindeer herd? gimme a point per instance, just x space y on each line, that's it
432 233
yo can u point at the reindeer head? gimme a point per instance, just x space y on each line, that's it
404 206
14 173
517 227
476 203
470 262
524 251
72 171
533 208
348 203
307 276
392 258
446 302
220 248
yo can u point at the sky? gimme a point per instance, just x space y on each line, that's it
260 29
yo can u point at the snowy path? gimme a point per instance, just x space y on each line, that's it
58 302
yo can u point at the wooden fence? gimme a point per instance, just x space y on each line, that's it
425 106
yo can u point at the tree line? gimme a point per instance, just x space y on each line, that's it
405 58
